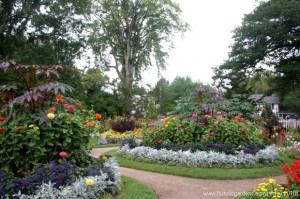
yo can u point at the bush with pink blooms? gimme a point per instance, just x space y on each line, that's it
214 130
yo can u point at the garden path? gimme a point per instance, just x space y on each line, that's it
177 187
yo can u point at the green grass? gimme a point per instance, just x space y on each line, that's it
204 173
132 189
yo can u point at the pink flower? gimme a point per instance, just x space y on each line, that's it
70 107
212 133
216 145
216 123
178 126
194 115
219 112
63 154
246 135
163 117
203 136
89 124
208 116
151 132
153 124
160 141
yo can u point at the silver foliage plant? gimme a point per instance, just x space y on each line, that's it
79 189
198 158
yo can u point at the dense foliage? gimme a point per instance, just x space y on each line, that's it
267 39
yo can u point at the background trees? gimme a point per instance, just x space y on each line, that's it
129 35
269 38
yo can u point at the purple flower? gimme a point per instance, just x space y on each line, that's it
101 142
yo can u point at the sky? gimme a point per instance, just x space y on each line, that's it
207 44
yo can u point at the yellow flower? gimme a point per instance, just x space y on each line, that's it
50 116
94 122
31 126
272 181
36 128
84 110
104 158
89 181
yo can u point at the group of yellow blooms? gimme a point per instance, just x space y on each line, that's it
270 189
121 136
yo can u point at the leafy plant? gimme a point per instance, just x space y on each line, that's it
38 122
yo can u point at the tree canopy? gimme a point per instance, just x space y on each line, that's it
129 35
41 31
269 38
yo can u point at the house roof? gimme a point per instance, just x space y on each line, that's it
273 99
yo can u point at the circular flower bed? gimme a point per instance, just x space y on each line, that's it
201 158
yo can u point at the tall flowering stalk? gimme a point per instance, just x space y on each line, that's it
292 173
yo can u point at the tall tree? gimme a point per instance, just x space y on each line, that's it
163 96
269 38
129 35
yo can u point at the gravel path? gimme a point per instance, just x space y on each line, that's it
177 187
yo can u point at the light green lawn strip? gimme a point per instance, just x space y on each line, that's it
132 189
204 173
135 190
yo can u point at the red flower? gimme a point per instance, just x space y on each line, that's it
98 116
59 98
178 126
239 119
20 128
160 141
246 135
182 142
52 109
63 154
70 107
212 133
1 129
285 168
245 130
2 119
79 104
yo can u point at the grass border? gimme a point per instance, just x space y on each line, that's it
203 173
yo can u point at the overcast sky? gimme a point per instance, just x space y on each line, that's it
207 43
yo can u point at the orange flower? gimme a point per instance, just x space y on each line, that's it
79 104
26 105
59 98
20 128
98 116
52 109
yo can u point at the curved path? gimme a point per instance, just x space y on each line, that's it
177 187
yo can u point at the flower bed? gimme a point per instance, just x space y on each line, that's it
64 181
199 158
